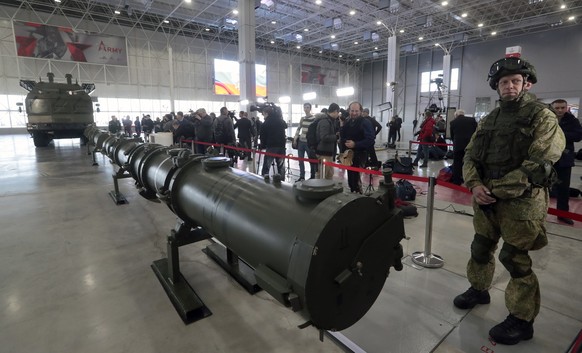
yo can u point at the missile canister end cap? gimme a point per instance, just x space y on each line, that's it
216 162
316 189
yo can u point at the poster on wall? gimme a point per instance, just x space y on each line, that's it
227 78
35 40
318 75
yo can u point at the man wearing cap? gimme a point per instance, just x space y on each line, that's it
508 168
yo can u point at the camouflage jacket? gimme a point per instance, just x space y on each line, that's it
510 143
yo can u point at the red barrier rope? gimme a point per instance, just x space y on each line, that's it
432 143
551 211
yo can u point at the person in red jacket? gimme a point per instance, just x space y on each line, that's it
425 134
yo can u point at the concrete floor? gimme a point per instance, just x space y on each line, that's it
75 275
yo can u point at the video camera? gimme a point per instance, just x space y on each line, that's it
344 114
268 107
232 115
438 81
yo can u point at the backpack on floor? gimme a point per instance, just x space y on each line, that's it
405 191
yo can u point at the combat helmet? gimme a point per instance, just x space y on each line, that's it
510 66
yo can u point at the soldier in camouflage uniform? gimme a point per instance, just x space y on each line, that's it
508 168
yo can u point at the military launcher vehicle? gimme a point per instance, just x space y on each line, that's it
57 110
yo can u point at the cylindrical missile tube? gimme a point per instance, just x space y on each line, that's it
315 248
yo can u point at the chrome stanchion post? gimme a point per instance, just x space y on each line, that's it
409 148
426 258
253 166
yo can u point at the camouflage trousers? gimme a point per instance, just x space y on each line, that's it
522 294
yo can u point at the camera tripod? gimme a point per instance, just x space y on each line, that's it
370 188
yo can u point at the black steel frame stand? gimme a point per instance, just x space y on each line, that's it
236 267
185 300
94 153
117 196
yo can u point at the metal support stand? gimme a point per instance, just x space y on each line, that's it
94 153
183 297
117 196
231 263
426 258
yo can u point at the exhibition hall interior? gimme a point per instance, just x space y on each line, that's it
124 229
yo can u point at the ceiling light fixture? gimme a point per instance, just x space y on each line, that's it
352 12
379 23
306 30
401 31
341 56
272 42
493 33
273 22
116 12
318 2
563 6
464 14
187 1
166 21
480 25
332 36
235 11
444 3
375 48
321 51
298 47
571 18
207 29
356 43
437 45
420 38
357 59
57 1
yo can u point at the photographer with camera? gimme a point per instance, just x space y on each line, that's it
273 138
224 128
425 134
357 134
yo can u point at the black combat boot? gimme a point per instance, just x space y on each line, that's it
471 298
512 330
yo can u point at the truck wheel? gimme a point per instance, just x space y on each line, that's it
41 139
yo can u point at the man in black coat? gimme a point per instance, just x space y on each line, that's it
245 133
573 133
273 140
462 128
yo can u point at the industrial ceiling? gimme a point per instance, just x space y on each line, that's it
352 31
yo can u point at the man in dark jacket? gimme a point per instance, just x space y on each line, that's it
372 158
462 128
204 130
573 133
245 132
183 129
273 140
327 136
114 125
357 134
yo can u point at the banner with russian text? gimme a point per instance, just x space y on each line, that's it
62 43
